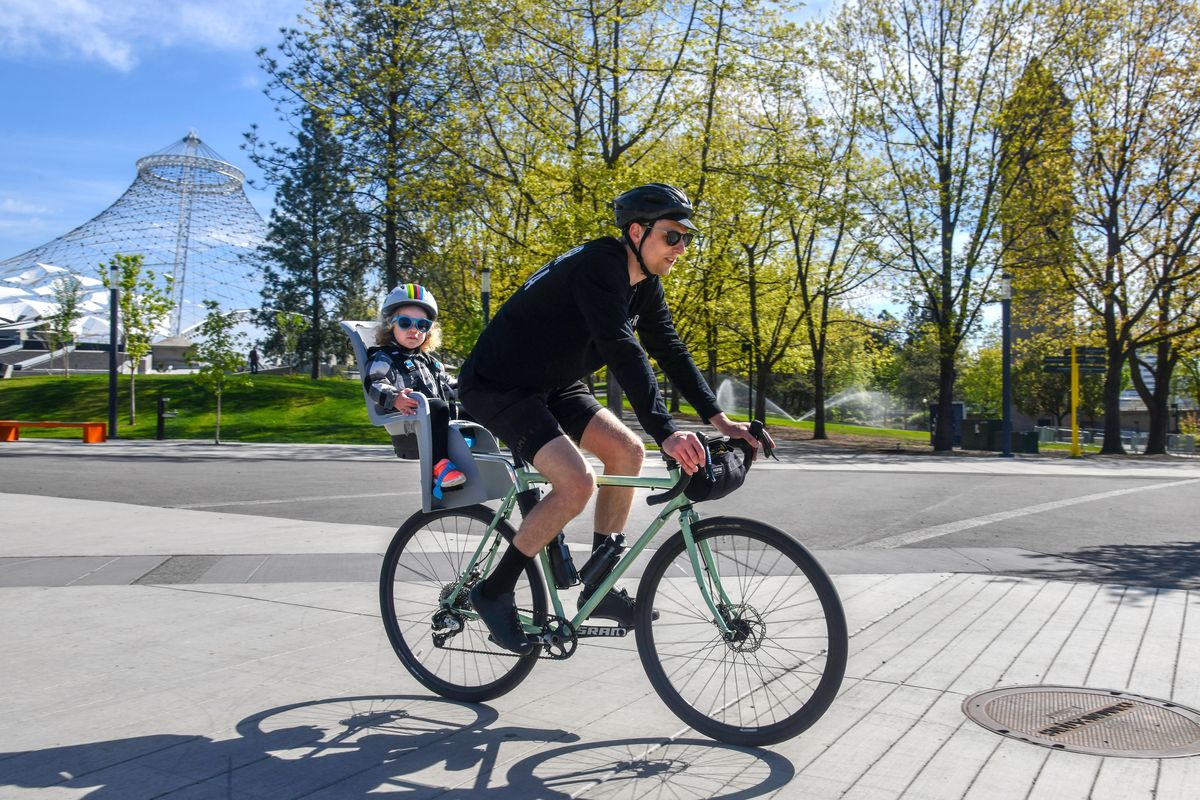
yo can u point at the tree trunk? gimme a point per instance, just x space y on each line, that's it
614 396
217 434
391 248
1157 401
819 396
943 434
314 322
132 394
315 328
761 375
1112 399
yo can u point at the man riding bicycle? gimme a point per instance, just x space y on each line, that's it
524 381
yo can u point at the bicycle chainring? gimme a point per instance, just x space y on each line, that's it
558 639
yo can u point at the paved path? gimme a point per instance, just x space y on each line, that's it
183 653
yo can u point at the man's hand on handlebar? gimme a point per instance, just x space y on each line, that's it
741 430
686 448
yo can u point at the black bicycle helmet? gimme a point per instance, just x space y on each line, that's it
651 202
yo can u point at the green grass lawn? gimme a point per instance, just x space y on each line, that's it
289 409
285 409
830 427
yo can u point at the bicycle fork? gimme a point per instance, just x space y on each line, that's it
705 565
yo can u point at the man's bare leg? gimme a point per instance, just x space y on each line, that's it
571 485
622 453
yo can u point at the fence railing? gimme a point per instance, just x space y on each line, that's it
1133 441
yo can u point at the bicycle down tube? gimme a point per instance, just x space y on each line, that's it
700 555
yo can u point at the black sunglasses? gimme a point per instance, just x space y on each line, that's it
404 323
675 237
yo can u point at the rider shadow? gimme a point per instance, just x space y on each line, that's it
417 746
650 767
1126 568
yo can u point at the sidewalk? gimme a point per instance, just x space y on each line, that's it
152 652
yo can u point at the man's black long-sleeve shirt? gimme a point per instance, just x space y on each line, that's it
579 313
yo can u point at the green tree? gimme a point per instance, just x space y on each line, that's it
68 297
979 382
315 257
375 69
1132 68
935 75
145 303
219 356
289 326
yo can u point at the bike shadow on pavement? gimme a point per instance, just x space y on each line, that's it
417 746
1141 567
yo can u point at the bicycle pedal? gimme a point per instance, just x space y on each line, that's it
604 631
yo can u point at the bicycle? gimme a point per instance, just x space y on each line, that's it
749 645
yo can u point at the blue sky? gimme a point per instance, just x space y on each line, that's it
89 86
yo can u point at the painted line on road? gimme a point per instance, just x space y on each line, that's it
310 499
912 537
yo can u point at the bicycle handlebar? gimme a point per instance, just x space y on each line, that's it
682 484
673 492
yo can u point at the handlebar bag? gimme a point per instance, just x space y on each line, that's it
728 473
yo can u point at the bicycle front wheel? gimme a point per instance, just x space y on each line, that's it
780 665
443 648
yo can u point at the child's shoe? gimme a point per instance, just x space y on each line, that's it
446 476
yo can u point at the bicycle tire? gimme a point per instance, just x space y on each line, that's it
429 553
786 666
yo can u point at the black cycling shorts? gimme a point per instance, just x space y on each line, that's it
525 419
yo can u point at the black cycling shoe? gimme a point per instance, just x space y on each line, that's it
500 617
617 606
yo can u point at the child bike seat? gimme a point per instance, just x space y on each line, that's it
489 477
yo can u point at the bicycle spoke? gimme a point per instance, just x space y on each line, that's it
772 667
440 639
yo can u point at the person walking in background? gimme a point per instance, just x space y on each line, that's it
255 363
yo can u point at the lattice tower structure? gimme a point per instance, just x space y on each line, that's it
188 215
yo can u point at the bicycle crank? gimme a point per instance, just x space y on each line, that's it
558 639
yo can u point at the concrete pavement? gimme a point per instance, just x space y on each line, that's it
181 653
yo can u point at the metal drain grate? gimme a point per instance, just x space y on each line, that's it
1095 721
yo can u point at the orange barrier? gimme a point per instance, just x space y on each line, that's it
93 432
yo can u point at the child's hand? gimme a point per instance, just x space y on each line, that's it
405 404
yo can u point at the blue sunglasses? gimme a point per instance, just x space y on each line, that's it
404 323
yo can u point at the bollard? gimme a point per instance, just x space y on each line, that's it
160 430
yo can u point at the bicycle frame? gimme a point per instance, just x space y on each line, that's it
700 555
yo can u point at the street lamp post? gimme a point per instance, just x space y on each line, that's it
749 351
485 293
1006 365
114 311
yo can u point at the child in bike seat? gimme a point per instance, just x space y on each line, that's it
401 362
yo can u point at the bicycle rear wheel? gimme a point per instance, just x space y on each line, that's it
780 668
446 651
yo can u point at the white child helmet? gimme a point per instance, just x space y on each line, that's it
411 294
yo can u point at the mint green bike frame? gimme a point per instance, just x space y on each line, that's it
700 555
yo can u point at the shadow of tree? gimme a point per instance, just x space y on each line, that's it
1170 565
357 746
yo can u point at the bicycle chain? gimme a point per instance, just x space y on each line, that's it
545 651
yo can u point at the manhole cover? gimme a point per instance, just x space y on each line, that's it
1095 721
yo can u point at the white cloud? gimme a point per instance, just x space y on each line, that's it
13 205
114 33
